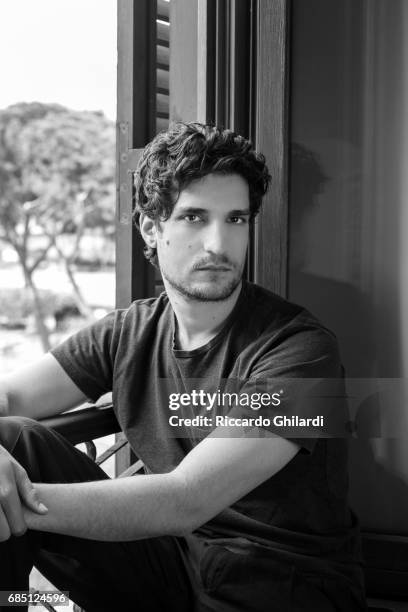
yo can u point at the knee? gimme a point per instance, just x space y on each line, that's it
16 422
12 426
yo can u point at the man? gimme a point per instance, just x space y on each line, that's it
226 518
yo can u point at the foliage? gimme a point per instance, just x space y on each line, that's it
56 178
56 171
16 305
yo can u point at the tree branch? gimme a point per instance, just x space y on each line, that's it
40 258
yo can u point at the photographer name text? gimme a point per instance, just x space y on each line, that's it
278 420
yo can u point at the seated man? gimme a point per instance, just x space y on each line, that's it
227 517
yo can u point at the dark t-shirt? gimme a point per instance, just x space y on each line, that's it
301 512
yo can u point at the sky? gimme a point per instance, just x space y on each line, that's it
60 51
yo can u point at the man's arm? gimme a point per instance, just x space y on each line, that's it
38 390
215 474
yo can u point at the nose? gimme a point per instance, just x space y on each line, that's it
214 239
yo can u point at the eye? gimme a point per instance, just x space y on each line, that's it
237 220
192 218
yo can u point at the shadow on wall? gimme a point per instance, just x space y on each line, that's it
378 452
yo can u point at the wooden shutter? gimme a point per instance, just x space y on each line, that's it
142 111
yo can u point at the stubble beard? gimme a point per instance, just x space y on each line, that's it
213 292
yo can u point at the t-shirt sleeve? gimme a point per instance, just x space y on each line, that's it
88 356
303 378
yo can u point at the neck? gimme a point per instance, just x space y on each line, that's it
198 321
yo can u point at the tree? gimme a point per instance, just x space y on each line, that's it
56 177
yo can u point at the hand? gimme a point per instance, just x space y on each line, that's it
16 489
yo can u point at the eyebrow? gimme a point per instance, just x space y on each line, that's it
240 212
189 210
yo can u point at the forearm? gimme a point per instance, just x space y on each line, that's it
114 510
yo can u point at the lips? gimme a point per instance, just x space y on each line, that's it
215 268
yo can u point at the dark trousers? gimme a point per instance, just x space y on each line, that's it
145 575
155 574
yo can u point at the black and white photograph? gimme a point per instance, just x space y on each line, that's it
204 305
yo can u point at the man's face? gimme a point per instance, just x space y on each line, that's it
202 246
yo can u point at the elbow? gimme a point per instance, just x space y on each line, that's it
191 518
186 519
181 531
186 524
188 510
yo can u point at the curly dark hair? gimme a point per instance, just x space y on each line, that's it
190 151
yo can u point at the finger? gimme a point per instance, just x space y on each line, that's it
12 510
5 532
27 491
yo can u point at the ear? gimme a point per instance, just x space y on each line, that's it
148 230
